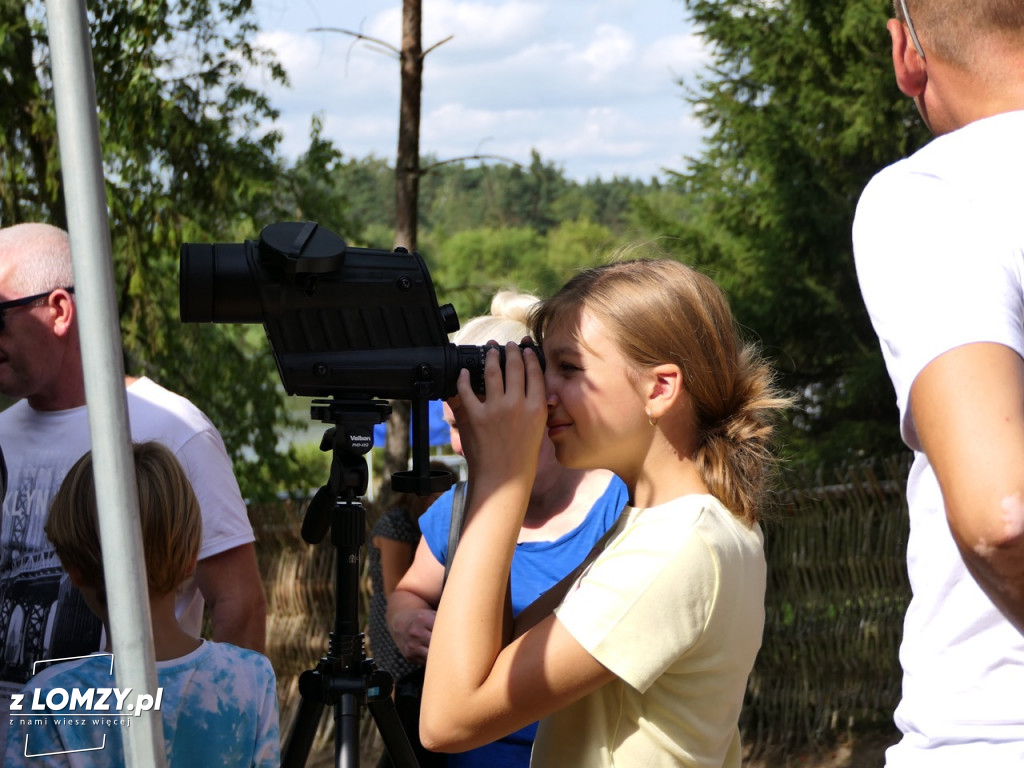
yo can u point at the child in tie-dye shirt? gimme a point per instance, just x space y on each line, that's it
217 702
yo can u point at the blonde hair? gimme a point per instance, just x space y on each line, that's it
660 311
43 255
168 513
960 32
510 312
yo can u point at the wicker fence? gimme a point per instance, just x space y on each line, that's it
837 591
298 579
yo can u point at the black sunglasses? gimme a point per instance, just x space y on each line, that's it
25 301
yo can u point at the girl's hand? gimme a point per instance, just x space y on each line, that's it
502 431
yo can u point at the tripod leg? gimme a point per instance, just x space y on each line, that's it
300 740
396 742
346 731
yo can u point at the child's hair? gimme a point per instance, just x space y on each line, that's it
168 512
507 321
661 311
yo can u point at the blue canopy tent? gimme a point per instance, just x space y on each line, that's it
438 433
437 427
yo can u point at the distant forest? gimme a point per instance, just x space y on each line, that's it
484 227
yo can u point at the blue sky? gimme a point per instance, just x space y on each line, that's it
591 85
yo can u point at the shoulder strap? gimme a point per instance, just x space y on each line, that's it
455 528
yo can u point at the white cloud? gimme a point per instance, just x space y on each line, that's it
607 53
591 85
483 27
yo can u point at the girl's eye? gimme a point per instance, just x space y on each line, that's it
568 367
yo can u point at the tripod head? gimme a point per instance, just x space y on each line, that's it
349 440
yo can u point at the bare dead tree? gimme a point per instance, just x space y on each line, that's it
407 186
408 173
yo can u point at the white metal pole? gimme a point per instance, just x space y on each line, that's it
99 330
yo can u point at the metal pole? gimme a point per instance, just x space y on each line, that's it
88 227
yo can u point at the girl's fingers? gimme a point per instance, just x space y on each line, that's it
534 373
506 389
514 377
492 371
464 388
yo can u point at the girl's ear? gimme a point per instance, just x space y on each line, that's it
666 387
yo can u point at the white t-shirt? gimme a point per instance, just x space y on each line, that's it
939 245
41 617
673 604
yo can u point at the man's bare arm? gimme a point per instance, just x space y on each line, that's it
231 586
968 408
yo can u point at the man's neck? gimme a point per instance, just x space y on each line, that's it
960 96
65 394
62 396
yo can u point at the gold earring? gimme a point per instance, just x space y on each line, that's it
651 420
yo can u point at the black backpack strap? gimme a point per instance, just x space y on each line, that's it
455 528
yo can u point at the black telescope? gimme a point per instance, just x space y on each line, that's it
352 324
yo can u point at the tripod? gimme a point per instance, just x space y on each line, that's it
345 679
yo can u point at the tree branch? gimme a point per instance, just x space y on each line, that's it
359 36
439 163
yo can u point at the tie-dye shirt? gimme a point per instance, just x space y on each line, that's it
218 705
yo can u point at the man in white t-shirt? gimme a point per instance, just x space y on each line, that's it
939 245
47 430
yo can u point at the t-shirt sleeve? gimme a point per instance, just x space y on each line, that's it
225 517
644 600
936 272
434 525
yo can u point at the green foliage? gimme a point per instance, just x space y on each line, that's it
492 196
802 111
315 193
476 263
456 196
572 245
491 227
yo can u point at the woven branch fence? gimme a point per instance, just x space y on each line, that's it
837 592
299 582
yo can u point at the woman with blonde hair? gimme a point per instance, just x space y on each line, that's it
641 656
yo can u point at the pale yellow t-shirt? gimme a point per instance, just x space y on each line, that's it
674 606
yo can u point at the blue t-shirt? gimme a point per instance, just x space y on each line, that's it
218 705
536 567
